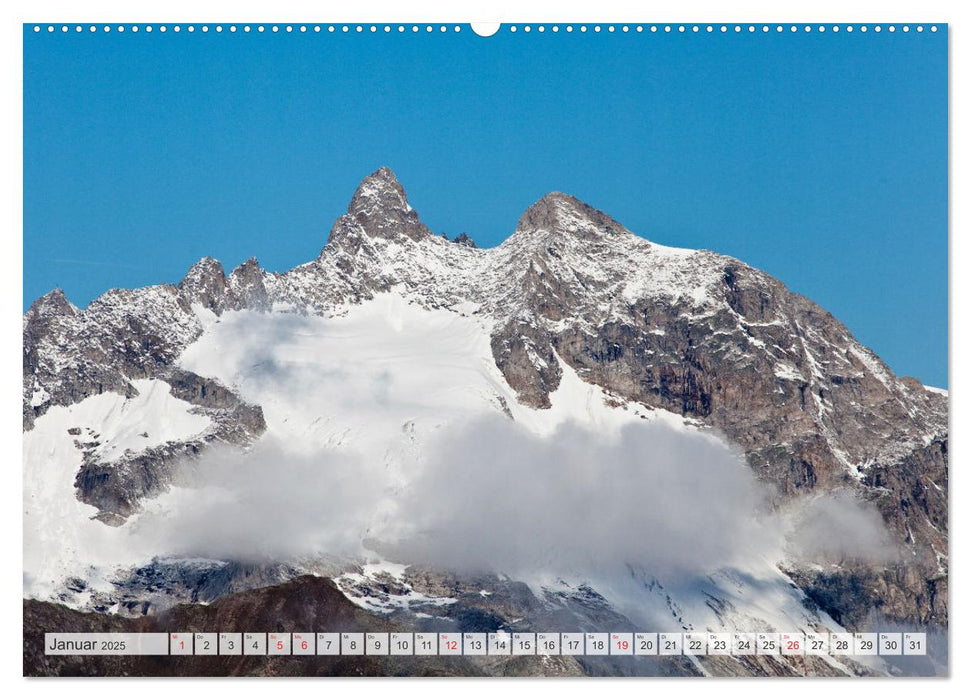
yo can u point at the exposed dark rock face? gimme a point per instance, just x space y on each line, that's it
160 584
379 208
527 361
692 332
245 288
116 487
52 325
466 240
205 284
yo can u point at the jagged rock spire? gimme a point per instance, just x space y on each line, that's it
378 209
205 284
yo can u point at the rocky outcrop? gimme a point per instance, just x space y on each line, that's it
205 284
245 288
116 487
524 355
464 239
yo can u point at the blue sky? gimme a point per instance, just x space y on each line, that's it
820 158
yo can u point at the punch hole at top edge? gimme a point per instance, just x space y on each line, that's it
485 29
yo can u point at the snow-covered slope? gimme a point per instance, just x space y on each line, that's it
378 382
384 366
61 537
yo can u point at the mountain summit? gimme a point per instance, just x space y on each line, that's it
560 214
378 209
379 191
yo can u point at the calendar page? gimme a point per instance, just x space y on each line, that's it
546 349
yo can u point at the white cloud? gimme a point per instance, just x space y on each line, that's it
493 496
490 495
271 503
835 527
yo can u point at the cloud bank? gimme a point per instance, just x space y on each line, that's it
489 495
272 503
496 497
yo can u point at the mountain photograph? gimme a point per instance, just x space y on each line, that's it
553 428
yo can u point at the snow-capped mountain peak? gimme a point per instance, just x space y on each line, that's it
379 190
559 215
54 303
378 209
